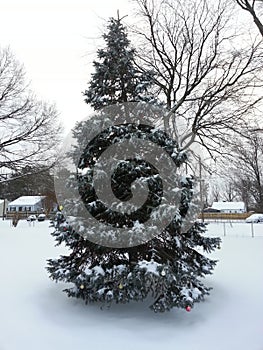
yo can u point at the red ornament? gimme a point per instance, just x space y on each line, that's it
188 308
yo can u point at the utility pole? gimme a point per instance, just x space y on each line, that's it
201 190
4 209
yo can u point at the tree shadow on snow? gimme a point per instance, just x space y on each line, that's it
72 313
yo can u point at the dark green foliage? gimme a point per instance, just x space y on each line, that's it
29 181
116 78
169 267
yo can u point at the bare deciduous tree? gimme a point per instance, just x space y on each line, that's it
246 170
215 193
229 192
29 128
250 7
203 71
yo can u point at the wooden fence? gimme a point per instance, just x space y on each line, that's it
224 216
23 214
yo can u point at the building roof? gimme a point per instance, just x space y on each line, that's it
229 205
26 200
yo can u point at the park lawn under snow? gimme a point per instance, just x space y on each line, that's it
36 315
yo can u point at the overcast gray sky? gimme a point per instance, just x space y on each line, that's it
56 41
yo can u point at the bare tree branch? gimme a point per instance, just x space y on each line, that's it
29 128
249 6
246 169
205 74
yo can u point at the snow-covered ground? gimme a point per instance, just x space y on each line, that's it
36 315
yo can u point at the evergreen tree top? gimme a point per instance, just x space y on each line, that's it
117 36
116 78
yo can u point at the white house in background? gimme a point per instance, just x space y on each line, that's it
3 207
27 204
230 207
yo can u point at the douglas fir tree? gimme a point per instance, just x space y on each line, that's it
166 265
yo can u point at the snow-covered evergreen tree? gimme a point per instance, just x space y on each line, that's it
116 78
170 266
